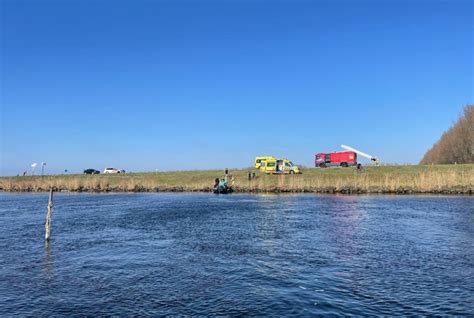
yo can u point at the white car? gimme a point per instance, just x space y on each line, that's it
112 170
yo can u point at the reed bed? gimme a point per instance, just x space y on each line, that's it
386 179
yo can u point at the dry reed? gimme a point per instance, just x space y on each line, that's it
386 179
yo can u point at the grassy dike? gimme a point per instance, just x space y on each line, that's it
448 179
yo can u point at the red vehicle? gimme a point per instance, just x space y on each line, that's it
343 159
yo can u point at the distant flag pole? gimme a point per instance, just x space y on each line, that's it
33 166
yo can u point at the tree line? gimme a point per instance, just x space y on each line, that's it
456 145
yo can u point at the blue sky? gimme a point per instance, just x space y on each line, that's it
145 85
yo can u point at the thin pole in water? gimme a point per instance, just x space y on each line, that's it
49 215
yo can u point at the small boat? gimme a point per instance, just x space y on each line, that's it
221 186
223 190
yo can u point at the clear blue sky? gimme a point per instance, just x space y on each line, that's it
145 85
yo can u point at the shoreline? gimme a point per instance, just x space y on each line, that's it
403 191
417 179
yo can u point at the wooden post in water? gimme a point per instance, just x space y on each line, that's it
49 215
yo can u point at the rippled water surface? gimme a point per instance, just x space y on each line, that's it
159 254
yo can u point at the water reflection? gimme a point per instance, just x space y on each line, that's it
48 261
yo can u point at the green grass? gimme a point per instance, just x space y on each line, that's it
387 179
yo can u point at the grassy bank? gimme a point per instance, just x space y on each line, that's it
386 179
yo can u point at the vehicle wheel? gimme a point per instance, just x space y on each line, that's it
322 165
344 164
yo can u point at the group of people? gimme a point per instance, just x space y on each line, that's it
222 185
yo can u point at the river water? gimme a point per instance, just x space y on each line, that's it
195 254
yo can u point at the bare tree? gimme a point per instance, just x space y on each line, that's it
456 145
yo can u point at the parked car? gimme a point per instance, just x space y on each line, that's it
112 170
91 171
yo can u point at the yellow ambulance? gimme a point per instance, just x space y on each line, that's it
272 165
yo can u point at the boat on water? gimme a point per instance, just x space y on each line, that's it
221 186
225 190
